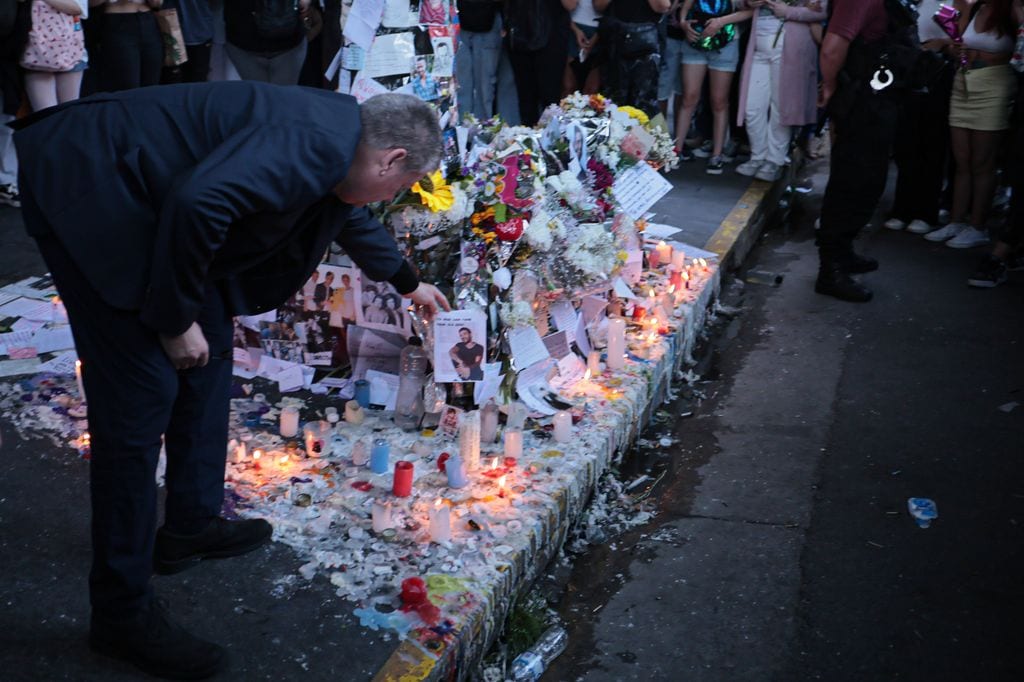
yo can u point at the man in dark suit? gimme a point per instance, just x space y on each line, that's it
162 213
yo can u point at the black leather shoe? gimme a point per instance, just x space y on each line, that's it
220 539
855 264
836 282
151 641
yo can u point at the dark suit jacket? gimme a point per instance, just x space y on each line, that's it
158 192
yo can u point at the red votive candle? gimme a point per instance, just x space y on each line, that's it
638 313
403 479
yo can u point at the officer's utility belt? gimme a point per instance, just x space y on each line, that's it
884 67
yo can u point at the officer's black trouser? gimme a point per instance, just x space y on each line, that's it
860 163
135 396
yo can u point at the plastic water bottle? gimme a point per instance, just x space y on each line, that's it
412 377
531 664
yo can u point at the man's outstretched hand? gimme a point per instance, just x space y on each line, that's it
428 296
188 350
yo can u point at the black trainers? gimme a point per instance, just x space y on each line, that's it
990 272
856 264
833 280
154 643
219 540
9 195
716 164
685 155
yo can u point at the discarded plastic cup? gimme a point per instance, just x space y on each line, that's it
923 510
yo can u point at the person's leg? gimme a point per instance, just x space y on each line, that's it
197 68
249 65
197 434
285 68
68 85
984 148
524 69
644 77
962 181
151 49
507 98
693 79
465 74
779 135
41 88
8 161
550 61
932 139
758 105
906 149
120 56
486 58
721 82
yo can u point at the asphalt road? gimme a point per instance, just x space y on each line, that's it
784 550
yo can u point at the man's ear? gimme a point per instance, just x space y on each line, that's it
392 160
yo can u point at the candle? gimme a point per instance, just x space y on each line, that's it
653 259
501 486
313 435
489 422
469 439
616 343
354 413
256 455
593 364
517 416
402 486
664 252
638 312
289 426
456 471
513 443
78 378
675 280
381 515
379 456
359 456
440 522
240 453
282 460
59 313
331 413
362 393
678 260
563 426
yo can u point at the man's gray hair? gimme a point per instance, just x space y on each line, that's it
394 121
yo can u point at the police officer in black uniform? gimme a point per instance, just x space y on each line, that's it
867 61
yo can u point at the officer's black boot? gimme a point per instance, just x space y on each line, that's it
856 264
834 280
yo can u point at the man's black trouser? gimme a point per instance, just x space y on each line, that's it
134 396
860 163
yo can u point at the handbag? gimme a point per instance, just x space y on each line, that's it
174 41
55 41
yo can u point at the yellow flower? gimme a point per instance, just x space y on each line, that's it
435 193
633 112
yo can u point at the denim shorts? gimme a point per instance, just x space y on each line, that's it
725 59
670 77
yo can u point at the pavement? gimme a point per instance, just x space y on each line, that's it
274 625
783 550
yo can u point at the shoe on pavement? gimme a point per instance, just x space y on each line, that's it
716 164
918 226
9 195
834 281
749 168
856 264
151 641
894 224
990 272
219 540
685 155
968 239
706 151
769 172
947 232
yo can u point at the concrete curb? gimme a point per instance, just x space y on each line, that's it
410 662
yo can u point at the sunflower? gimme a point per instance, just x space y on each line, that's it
635 113
434 192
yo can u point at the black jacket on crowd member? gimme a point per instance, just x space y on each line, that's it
157 192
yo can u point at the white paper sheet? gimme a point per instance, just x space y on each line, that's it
390 55
488 388
62 364
564 316
28 307
622 289
15 340
659 231
399 14
527 347
10 368
353 58
534 380
290 379
50 340
639 188
383 388
363 21
364 87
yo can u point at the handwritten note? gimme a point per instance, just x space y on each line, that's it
14 340
364 87
49 340
362 22
28 307
527 347
62 364
399 14
390 55
639 188
564 317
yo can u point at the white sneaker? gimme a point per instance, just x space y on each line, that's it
947 232
918 226
769 172
749 168
968 238
894 224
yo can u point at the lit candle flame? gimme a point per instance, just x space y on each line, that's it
256 454
686 276
501 481
671 288
586 375
78 365
651 293
438 502
85 438
283 460
494 463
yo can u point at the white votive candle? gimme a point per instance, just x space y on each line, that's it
616 343
563 426
381 513
289 422
440 522
513 443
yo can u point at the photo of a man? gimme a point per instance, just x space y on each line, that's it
467 356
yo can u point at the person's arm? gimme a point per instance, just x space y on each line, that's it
834 49
569 5
601 6
660 6
810 14
686 24
70 7
716 24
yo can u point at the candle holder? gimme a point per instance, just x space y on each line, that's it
363 393
289 422
440 522
455 469
402 486
354 413
379 456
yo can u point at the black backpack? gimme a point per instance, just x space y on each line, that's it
528 23
277 19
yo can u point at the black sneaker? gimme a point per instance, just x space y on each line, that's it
833 280
856 264
685 155
715 165
219 540
990 272
9 195
152 642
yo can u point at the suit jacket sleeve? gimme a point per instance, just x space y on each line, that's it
259 169
371 247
